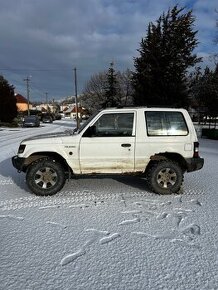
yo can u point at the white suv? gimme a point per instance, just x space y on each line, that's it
157 143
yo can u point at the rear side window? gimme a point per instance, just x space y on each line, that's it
165 124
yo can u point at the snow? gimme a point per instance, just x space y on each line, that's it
107 233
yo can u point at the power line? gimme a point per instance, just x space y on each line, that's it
41 69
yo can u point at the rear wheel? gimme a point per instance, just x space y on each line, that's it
45 177
165 177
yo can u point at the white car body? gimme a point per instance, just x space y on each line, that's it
129 152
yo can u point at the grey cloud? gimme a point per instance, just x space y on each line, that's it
59 34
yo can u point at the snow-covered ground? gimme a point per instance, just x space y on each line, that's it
107 233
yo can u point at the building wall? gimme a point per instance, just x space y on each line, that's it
21 107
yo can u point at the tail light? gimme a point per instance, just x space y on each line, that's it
196 150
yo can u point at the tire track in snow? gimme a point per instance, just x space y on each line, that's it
70 199
10 216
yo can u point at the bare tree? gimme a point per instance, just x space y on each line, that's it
126 89
93 93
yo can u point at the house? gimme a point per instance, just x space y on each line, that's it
22 103
68 112
71 112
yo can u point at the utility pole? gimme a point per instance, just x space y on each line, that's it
27 80
75 81
46 100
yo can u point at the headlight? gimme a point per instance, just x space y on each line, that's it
21 148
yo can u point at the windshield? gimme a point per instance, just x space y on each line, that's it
86 122
31 118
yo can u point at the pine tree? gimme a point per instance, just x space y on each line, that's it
207 93
112 94
166 53
8 108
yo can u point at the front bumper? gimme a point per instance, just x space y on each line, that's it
18 162
194 164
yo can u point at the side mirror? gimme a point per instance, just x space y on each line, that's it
90 132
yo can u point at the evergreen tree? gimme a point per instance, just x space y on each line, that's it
112 91
8 108
206 91
166 53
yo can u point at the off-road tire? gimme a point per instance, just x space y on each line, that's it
165 177
45 177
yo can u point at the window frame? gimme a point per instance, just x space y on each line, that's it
115 136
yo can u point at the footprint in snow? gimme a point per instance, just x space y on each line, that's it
162 216
185 243
56 224
180 216
196 201
128 222
107 238
134 214
189 234
191 230
167 236
72 257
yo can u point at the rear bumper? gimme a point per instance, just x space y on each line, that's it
194 164
18 162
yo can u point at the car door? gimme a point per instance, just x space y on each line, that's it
108 145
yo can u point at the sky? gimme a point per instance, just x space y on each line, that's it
45 40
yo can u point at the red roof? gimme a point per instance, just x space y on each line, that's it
21 99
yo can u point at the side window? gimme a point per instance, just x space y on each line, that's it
165 124
115 125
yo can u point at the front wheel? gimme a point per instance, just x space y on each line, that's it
45 177
165 177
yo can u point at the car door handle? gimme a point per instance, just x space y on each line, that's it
126 145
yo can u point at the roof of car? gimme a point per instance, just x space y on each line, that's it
31 117
144 108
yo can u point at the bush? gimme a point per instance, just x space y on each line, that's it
13 124
210 133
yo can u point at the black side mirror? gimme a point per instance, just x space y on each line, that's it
90 132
